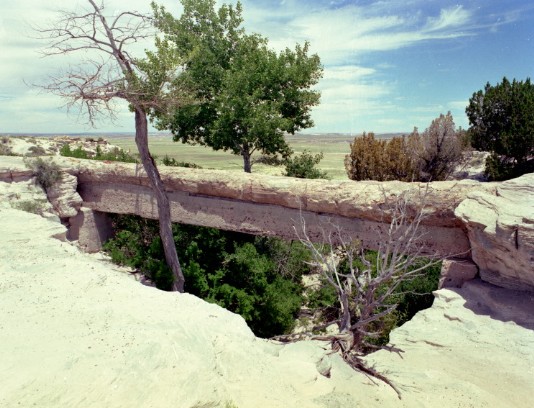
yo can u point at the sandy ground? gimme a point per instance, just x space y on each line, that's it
76 331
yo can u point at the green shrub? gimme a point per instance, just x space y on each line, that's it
47 173
116 154
170 161
77 153
303 166
5 149
256 277
37 151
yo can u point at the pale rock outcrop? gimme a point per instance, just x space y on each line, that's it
455 272
23 193
500 225
90 228
64 197
79 332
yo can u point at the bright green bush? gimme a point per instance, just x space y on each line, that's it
303 166
259 278
77 153
115 154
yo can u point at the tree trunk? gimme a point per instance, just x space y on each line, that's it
164 210
247 165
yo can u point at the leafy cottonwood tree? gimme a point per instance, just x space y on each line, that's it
249 96
502 122
110 72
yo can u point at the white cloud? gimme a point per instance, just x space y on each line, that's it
356 89
448 18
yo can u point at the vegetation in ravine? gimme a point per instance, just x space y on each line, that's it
258 277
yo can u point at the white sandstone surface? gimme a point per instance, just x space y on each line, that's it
76 331
500 225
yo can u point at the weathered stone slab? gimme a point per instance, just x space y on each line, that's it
90 228
501 231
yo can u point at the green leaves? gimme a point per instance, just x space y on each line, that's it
247 95
502 122
259 278
303 166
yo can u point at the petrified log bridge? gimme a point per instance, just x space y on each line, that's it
267 205
489 223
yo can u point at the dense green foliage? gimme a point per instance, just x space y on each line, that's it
430 156
303 166
244 96
259 278
115 154
502 122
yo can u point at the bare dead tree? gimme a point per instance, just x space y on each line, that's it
364 289
109 72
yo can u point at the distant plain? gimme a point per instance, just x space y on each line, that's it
333 146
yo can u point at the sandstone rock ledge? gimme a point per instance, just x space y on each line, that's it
77 332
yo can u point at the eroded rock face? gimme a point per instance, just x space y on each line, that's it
492 223
90 228
500 226
64 197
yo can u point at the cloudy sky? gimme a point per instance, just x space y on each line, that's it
389 65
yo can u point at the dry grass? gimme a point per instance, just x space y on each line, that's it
334 148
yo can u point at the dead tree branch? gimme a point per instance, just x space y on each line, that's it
109 72
365 289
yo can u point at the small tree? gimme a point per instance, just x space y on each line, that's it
303 166
381 160
430 156
111 73
438 150
365 290
247 96
502 122
367 160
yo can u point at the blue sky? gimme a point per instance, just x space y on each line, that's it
390 65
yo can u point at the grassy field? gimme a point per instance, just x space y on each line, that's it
333 146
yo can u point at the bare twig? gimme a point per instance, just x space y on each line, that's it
364 289
148 85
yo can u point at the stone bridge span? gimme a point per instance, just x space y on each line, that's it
491 224
269 205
